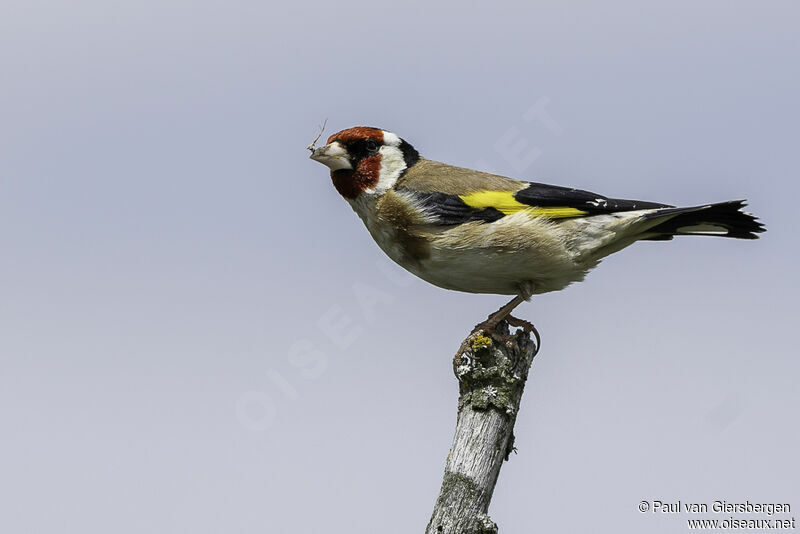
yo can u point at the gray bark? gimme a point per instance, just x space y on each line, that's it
491 376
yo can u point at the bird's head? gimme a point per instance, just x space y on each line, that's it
365 160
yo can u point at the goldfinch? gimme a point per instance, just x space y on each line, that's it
472 231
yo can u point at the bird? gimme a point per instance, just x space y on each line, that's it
476 232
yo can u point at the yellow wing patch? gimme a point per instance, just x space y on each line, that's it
505 203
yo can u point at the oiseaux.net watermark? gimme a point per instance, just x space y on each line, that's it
724 515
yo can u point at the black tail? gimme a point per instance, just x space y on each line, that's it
726 219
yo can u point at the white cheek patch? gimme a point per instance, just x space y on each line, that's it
390 139
392 166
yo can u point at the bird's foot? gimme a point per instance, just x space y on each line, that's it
526 327
489 327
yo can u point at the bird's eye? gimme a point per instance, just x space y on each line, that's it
372 146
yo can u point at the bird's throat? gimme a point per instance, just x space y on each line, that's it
351 183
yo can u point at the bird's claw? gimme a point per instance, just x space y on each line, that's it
489 328
527 327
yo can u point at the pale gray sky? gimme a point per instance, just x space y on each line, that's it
198 335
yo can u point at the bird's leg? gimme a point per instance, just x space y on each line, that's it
525 292
490 324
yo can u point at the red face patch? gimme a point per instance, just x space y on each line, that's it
357 133
350 183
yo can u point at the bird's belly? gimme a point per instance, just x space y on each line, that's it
496 271
483 258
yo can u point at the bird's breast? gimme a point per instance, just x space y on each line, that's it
391 220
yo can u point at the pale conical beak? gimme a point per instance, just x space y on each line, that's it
333 155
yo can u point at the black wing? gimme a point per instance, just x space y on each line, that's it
544 195
553 201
